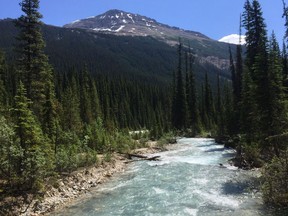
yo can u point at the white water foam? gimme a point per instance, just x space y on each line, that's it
159 190
190 211
215 197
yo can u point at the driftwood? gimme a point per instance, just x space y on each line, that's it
143 157
155 158
137 155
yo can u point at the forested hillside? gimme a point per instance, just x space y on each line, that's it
143 58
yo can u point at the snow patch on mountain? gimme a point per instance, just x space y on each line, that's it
233 39
109 29
130 16
76 21
102 29
119 29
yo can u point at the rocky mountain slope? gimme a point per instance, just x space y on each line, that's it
123 23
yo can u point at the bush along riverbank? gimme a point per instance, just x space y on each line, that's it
66 187
272 166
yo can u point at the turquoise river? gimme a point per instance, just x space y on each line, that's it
188 180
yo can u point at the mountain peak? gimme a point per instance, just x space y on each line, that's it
124 23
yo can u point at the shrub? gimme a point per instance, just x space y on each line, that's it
275 185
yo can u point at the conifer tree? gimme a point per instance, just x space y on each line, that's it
285 65
50 117
71 119
208 105
248 106
239 67
179 114
34 69
257 62
228 114
284 50
192 96
3 88
95 103
187 87
219 110
233 72
85 101
276 115
37 160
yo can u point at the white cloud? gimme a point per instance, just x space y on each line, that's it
233 39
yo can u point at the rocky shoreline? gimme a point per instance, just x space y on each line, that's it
75 185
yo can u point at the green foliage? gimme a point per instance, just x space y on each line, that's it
275 184
167 138
3 79
123 142
96 133
179 104
107 157
33 67
37 160
156 132
10 151
73 153
251 155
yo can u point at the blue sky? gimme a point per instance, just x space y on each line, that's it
214 18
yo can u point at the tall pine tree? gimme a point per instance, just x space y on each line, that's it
33 67
257 63
37 159
179 112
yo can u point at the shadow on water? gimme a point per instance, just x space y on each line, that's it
228 155
215 150
239 186
235 188
206 145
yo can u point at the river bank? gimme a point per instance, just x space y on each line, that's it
73 186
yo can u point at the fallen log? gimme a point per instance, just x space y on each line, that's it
136 155
142 157
155 158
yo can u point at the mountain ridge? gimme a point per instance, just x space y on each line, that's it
125 23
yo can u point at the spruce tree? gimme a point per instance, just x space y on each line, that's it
285 66
3 87
33 67
276 115
85 100
219 110
71 119
180 112
248 107
194 121
257 63
208 105
233 72
239 67
37 160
